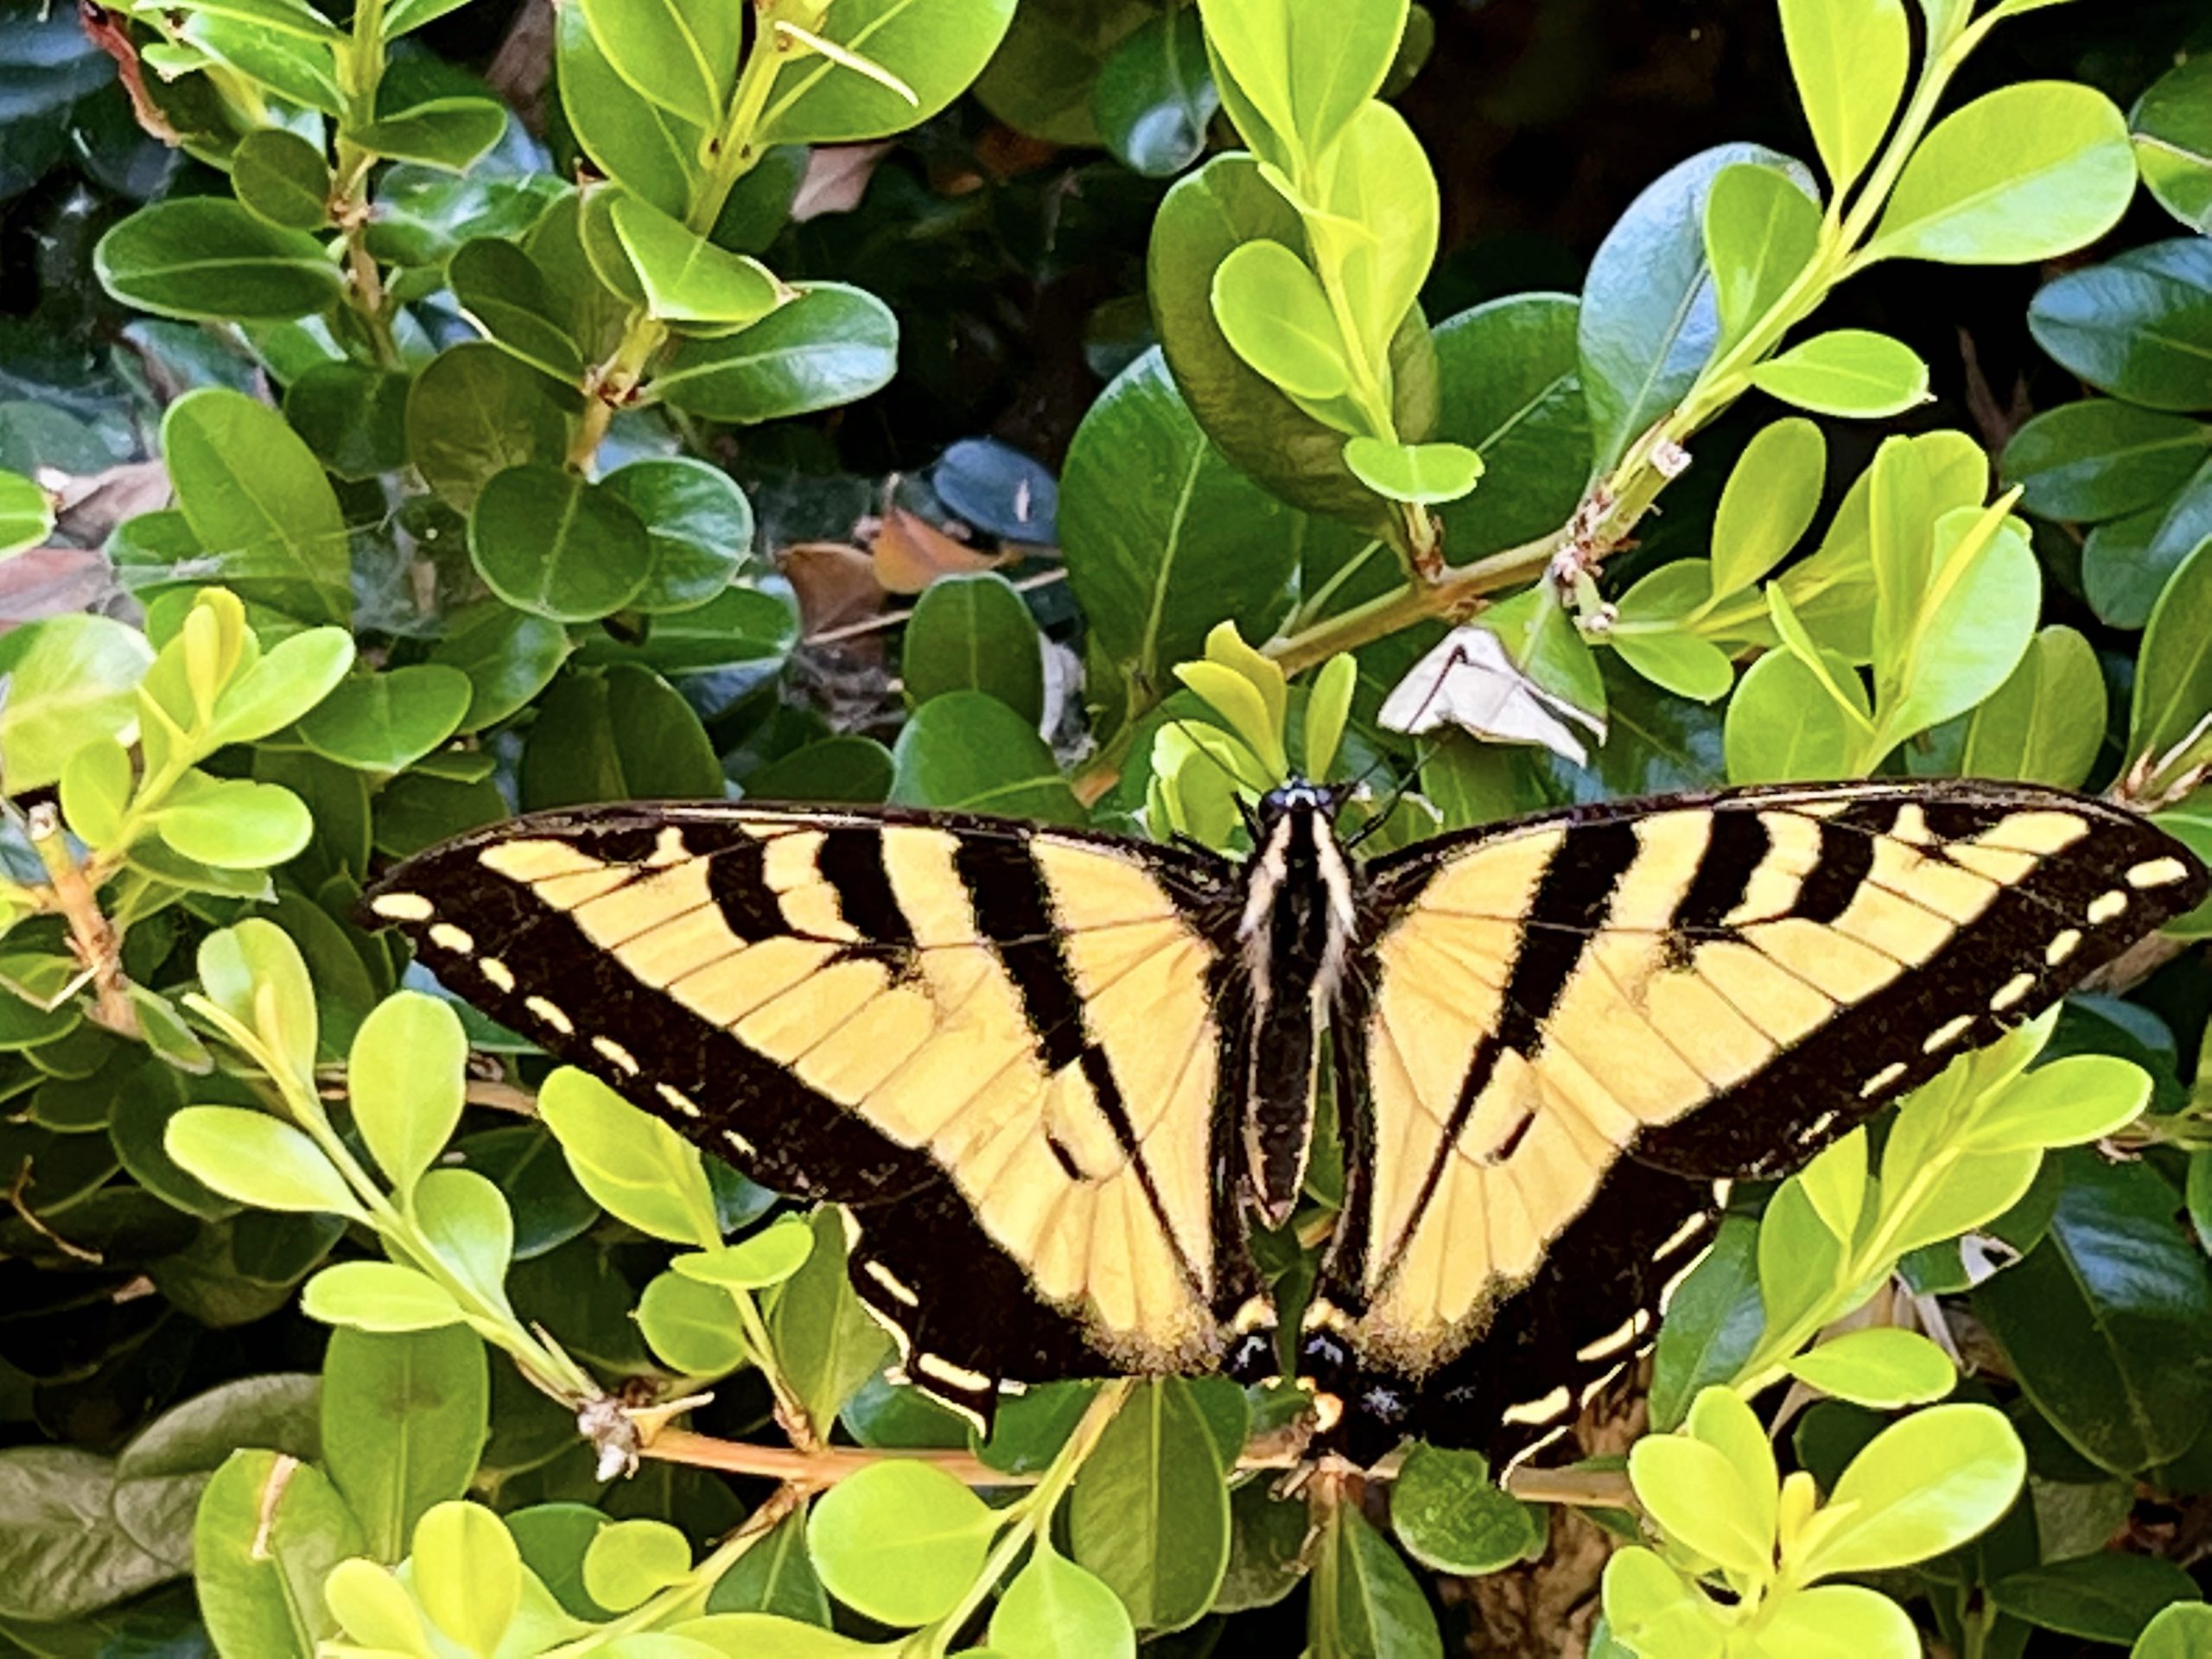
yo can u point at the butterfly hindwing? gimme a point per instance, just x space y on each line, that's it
1576 1024
995 1045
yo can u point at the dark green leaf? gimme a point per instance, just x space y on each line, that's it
502 291
160 1475
61 1556
698 524
473 412
619 734
2100 459
509 655
968 751
1366 1604
973 633
441 132
383 722
2102 1598
2127 563
1150 1517
207 256
2138 327
1154 96
551 541
2109 1321
354 418
1512 394
257 502
282 178
832 345
1451 1516
2172 126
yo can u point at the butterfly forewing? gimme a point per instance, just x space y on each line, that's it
996 1046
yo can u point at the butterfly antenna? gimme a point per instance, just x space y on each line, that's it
1422 756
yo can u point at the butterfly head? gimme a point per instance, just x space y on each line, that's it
1298 798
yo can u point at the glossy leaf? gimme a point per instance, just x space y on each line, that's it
258 1160
2100 459
1925 1484
2138 327
934 48
1881 1367
973 633
1150 1515
685 277
1154 96
1849 372
1270 308
832 345
1768 504
209 256
556 545
1849 58
967 751
1761 232
283 179
899 1542
1426 473
698 525
269 1528
2173 126
71 679
638 1169
2046 723
2027 172
382 723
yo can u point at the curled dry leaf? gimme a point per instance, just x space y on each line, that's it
910 553
1471 681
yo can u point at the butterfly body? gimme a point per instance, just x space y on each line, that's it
1058 1077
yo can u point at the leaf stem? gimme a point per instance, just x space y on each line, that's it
360 66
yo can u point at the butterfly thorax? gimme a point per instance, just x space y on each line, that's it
1294 935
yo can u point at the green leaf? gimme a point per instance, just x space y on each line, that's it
966 751
283 179
1451 1516
687 278
615 735
697 522
767 1257
1970 631
500 289
1654 1610
1163 538
468 1574
380 1297
2071 1102
628 1561
2173 677
71 679
2180 1631
1307 68
899 1542
646 148
466 1222
26 514
2025 173
1697 1498
508 655
1150 1516
1271 309
1923 1485
2105 1322
64 1554
1224 205
2126 564
2100 459
2108 1597
404 1418
553 544
935 48
1365 1604
1426 473
1761 232
1376 224
254 972
2046 723
268 1529
1511 394
2138 327
690 1326
448 133
284 685
257 501
234 823
372 1605
1154 96
832 345
1881 1367
258 1160
2173 125
1841 1621
1712 1325
475 412
825 1340
161 1474
1849 58
387 721
1783 725
1849 372
1767 503
974 633
1649 319
636 1168
1054 1608
680 55
96 780
208 257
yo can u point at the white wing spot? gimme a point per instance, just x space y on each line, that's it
2062 947
898 1287
2157 873
1550 1408
1682 1236
551 1015
1881 1080
669 847
1612 1342
957 1376
1819 1126
459 940
615 1055
402 907
1946 1033
2107 907
739 1142
1666 1290
682 1103
1591 1390
501 976
2012 991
